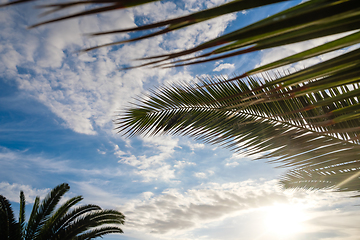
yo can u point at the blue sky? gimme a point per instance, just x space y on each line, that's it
56 112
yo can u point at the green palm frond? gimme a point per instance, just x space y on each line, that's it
84 223
51 226
31 226
307 130
44 210
98 232
70 216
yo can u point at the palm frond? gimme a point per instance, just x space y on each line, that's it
45 209
49 229
306 131
92 219
99 232
22 215
31 226
69 217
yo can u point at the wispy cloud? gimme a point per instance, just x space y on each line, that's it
223 66
177 212
155 166
85 90
25 163
12 192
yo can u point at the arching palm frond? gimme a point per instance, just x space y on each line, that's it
50 228
295 126
84 224
98 232
44 210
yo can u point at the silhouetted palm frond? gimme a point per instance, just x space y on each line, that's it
302 126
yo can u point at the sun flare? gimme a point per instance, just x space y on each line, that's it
285 220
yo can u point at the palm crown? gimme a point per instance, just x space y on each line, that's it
307 120
66 222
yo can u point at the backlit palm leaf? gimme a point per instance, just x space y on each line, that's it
309 132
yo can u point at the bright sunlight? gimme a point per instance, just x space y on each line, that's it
284 220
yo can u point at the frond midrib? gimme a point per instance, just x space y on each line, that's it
248 113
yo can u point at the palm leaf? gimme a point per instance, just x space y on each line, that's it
69 217
92 219
41 212
245 115
99 232
31 226
22 215
49 229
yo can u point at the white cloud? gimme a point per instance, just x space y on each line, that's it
174 214
98 192
155 166
117 151
275 54
101 152
224 66
182 164
200 175
12 192
204 174
232 164
194 146
23 162
240 157
85 90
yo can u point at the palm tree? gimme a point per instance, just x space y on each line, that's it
307 120
65 222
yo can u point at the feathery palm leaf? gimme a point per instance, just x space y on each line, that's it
85 223
309 131
44 210
31 226
50 228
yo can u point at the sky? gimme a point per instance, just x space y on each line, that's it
56 121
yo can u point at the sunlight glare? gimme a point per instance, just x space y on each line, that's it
284 220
